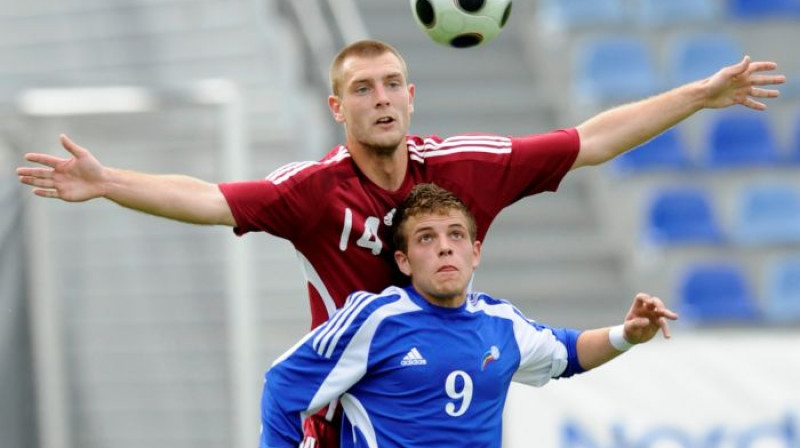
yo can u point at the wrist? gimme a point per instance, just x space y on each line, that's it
697 95
616 336
103 186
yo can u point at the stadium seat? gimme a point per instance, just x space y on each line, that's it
615 69
716 293
767 214
666 152
741 139
658 13
783 290
697 56
566 15
764 9
681 216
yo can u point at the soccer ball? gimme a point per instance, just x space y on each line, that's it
461 23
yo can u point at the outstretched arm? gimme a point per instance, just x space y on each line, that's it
82 177
644 320
617 130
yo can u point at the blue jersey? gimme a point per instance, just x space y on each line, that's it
412 374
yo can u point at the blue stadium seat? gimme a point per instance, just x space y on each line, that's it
666 152
681 216
676 12
697 56
615 69
741 139
783 290
768 214
764 9
565 15
716 293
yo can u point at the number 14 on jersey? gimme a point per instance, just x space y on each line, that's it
368 240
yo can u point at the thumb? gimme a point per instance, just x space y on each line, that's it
72 147
742 66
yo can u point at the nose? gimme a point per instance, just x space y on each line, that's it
381 98
445 249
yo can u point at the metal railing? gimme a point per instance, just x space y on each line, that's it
325 26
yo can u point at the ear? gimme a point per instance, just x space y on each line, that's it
412 90
476 254
402 262
335 105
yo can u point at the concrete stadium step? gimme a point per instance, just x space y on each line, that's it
525 282
539 247
428 61
469 96
582 312
510 124
102 22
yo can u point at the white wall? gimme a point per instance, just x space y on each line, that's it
716 388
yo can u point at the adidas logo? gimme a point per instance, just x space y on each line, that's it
413 358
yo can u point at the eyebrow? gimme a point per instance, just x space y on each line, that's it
393 75
423 230
454 226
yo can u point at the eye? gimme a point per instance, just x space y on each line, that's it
425 238
457 235
362 90
395 84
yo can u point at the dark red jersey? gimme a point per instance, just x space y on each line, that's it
339 221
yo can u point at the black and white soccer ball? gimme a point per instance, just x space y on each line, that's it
461 23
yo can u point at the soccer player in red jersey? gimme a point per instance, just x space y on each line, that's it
343 238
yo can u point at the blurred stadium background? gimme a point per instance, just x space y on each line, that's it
121 330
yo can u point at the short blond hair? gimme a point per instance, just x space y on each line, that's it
425 200
361 48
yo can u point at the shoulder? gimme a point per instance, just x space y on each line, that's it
300 171
361 313
361 305
478 302
389 299
457 146
556 140
495 308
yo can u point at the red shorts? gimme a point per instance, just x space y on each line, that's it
323 429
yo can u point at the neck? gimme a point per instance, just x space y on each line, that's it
385 169
454 301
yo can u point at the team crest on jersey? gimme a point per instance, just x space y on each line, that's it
492 355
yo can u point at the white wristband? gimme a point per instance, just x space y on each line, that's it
616 336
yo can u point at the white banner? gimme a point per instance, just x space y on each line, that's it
732 388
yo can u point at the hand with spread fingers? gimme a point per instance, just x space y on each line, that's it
74 179
741 83
646 317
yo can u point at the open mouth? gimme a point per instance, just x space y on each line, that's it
384 120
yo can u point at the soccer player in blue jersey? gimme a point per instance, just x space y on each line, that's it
429 365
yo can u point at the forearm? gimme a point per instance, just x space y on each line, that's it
176 197
617 130
595 349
